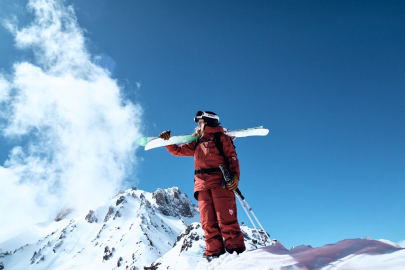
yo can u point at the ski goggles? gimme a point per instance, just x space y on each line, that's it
200 114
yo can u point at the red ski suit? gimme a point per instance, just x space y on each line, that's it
217 205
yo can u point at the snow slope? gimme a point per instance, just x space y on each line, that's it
355 254
133 230
189 248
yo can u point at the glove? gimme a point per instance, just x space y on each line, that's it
233 186
165 135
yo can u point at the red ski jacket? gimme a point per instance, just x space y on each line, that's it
207 156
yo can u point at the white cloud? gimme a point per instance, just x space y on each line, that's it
402 243
77 133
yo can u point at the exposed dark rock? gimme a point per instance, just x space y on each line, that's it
154 266
109 213
245 235
134 188
91 217
98 235
20 248
119 261
2 255
1 266
108 253
120 200
117 214
57 245
188 242
188 236
41 259
36 256
159 197
171 202
147 237
62 233
147 204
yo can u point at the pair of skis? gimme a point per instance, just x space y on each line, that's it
154 142
265 238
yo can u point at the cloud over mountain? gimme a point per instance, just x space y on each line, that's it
74 132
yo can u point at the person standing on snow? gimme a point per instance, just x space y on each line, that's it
217 204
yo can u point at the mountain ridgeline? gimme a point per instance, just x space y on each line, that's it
134 230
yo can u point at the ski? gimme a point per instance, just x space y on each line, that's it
154 142
142 141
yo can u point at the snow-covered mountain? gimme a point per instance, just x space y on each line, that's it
161 230
134 230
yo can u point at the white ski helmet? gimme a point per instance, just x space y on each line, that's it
210 118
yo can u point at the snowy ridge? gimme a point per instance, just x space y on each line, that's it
161 230
133 231
189 248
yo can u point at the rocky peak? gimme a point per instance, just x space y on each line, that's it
171 202
107 233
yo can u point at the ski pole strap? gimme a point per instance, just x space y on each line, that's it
207 171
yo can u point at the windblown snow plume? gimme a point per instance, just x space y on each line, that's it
76 133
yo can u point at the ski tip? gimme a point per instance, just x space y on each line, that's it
142 141
147 148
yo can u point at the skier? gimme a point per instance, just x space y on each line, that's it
217 204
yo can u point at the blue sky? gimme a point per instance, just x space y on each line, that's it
325 77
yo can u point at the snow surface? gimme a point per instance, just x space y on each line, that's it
356 254
161 230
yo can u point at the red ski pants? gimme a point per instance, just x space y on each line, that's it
219 220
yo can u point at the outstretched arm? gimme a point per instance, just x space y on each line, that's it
184 150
